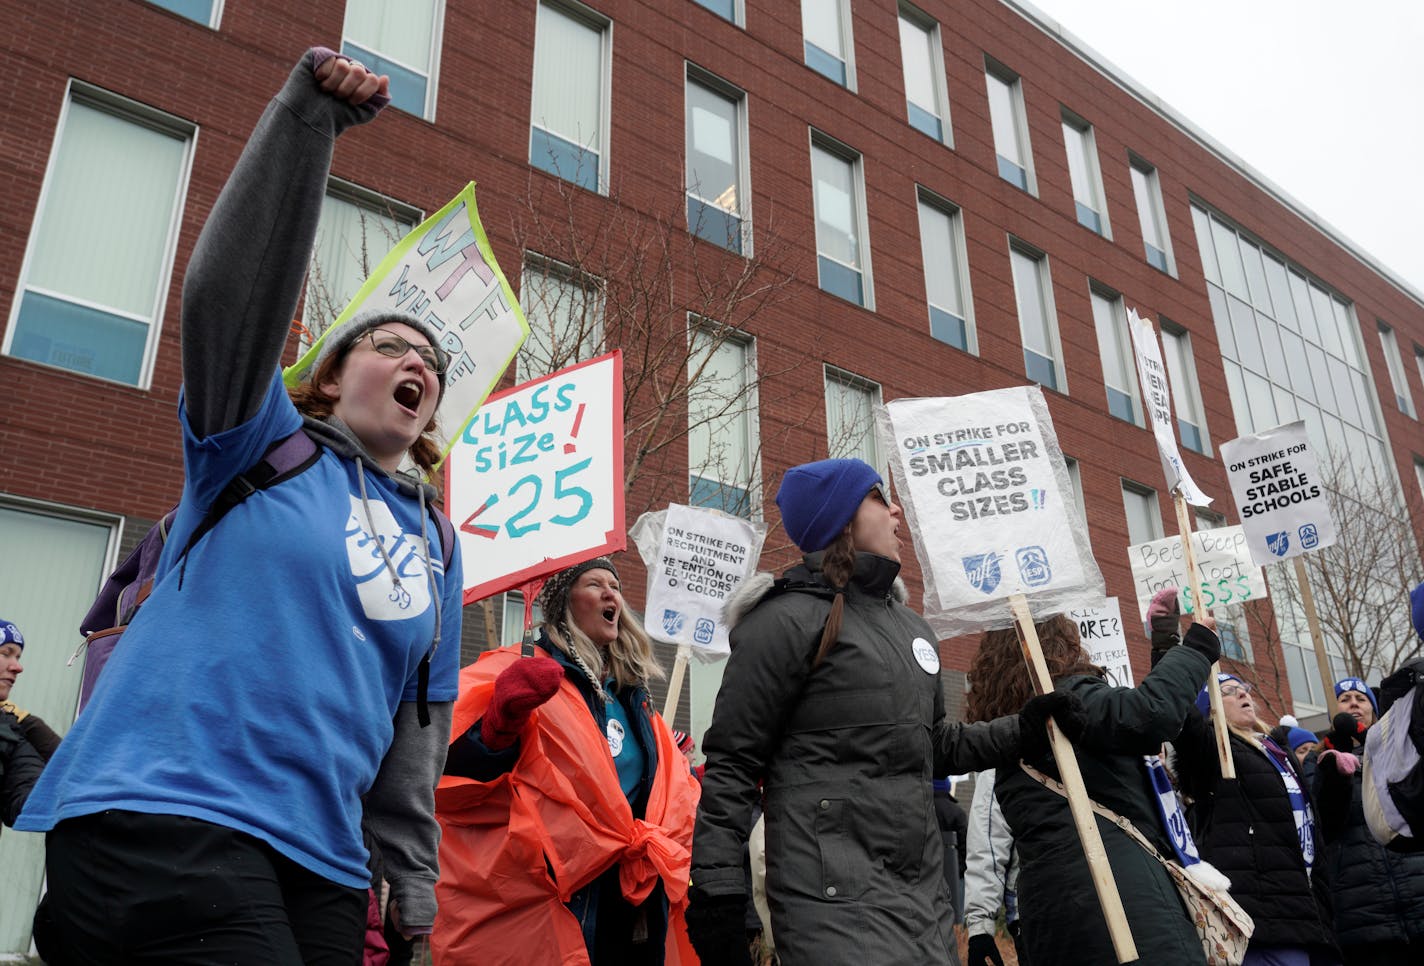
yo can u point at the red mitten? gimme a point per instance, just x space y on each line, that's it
519 689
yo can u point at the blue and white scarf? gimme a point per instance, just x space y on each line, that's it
1300 806
1169 807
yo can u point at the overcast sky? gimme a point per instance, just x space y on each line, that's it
1322 98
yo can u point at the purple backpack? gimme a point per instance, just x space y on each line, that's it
131 583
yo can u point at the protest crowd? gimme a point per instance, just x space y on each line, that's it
335 789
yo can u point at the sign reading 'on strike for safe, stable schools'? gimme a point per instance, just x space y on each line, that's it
1276 483
988 502
534 483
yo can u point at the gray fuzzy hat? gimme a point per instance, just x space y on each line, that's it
344 337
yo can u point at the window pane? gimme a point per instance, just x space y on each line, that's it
199 10
1228 256
921 83
1118 365
939 248
837 225
720 424
1182 378
351 240
1080 168
1143 521
821 25
712 147
401 31
408 87
1205 245
565 321
723 8
1144 190
1003 116
850 419
568 88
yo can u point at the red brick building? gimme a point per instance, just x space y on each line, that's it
931 199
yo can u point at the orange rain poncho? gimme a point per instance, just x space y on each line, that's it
514 850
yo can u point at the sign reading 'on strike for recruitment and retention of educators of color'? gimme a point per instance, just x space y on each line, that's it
445 274
1276 483
1228 576
696 558
1101 631
534 483
988 501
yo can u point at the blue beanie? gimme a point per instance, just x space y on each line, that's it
10 634
1356 684
818 500
1299 736
1416 609
1204 698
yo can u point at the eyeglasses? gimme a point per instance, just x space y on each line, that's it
390 344
1232 690
880 492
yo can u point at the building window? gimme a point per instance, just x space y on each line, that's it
825 25
726 9
1230 618
1144 518
1038 322
1291 349
205 12
1392 361
357 229
511 618
1083 172
1006 116
1119 363
96 272
716 169
1186 390
946 272
722 420
569 118
401 40
1075 479
1151 217
1419 363
850 417
842 253
565 315
1419 474
922 56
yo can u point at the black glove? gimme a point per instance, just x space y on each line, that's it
717 926
1203 640
1163 618
983 949
1346 733
1068 713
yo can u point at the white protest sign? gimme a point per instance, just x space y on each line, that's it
696 558
1276 484
444 273
1157 400
1101 631
1228 575
988 501
534 483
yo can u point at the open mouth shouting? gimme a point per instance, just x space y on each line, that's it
409 394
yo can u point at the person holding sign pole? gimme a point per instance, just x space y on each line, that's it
207 805
1260 830
832 696
1058 909
1378 893
567 807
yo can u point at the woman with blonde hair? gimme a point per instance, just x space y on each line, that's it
567 808
1125 729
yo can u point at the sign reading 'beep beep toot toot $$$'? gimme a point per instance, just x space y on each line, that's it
990 507
1228 575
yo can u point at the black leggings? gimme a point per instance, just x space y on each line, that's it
127 887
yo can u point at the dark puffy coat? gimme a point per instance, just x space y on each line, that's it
1247 830
854 853
1378 893
1060 918
20 767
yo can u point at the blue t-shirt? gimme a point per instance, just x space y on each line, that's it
260 695
628 755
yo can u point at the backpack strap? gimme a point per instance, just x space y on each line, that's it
283 460
447 536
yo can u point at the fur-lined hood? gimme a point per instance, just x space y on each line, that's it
756 588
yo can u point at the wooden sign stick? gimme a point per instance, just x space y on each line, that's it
1078 802
679 668
1322 660
1218 713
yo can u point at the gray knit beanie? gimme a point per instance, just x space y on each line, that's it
344 337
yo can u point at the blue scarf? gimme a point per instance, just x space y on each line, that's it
1169 806
1300 807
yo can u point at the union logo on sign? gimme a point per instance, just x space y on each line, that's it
704 629
1309 537
1033 566
982 569
672 621
1278 543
